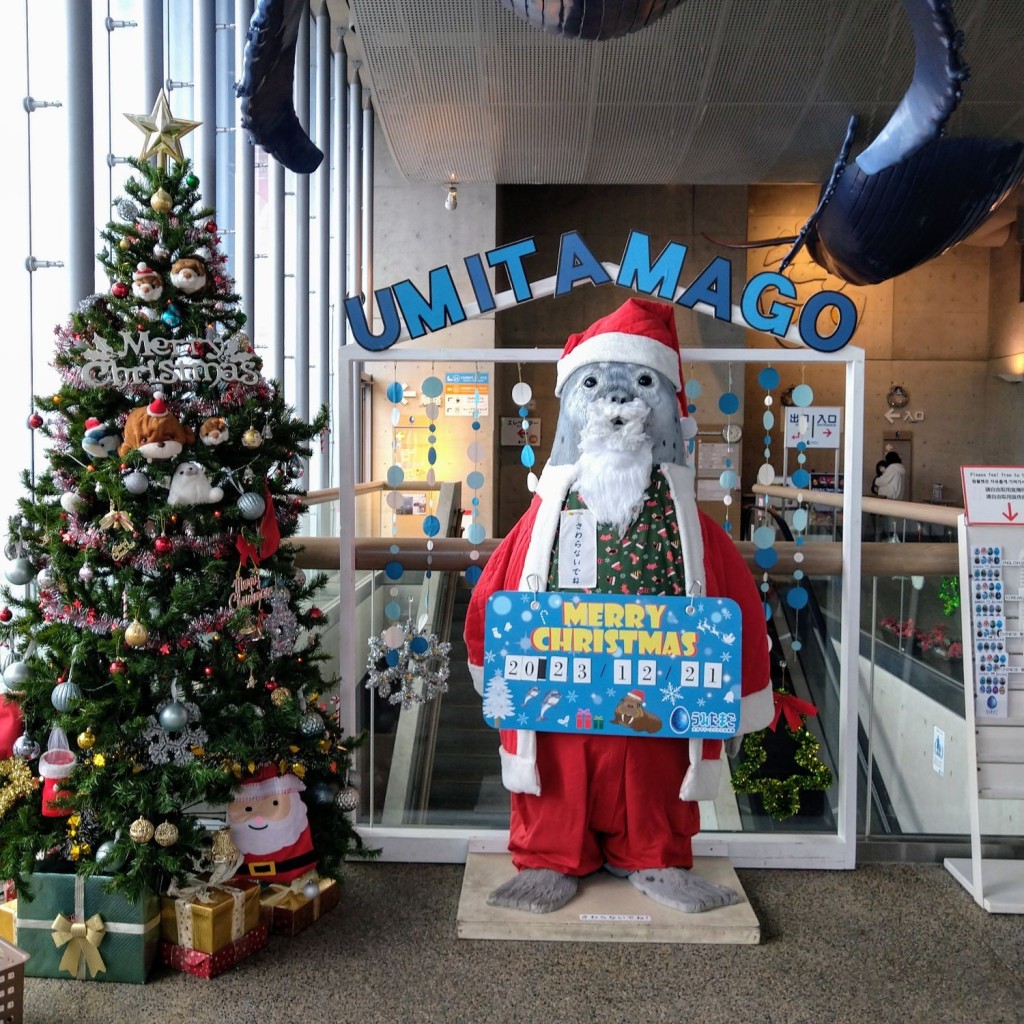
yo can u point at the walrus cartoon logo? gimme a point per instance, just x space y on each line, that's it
633 715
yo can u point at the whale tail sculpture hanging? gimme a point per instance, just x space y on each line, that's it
268 70
908 197
913 193
584 19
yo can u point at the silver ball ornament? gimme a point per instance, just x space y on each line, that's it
296 468
45 579
26 747
108 858
173 717
20 572
251 505
311 890
86 574
312 725
136 483
16 674
65 694
347 799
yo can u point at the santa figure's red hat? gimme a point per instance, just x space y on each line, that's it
639 331
158 407
266 782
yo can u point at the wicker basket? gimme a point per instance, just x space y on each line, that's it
12 983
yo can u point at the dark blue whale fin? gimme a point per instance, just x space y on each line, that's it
268 71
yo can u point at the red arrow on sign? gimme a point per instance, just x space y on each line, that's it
827 432
1009 514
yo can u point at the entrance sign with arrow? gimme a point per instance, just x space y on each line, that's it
993 495
817 426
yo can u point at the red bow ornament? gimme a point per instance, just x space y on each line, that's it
793 708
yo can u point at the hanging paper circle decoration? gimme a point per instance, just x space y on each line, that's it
392 609
473 574
766 558
797 597
729 403
768 378
803 395
431 526
527 456
395 392
432 387
766 474
692 388
393 570
475 480
395 476
475 533
763 537
801 478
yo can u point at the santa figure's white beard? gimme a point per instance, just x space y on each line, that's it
614 467
277 834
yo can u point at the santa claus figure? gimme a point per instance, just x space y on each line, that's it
269 826
627 804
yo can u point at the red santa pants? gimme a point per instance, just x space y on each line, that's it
605 800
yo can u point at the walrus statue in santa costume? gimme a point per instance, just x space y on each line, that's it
628 804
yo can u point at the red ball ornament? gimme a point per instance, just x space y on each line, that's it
163 545
271 685
208 671
117 667
315 614
216 513
120 290
6 615
35 421
211 226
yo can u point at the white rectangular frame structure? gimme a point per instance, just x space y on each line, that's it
777 850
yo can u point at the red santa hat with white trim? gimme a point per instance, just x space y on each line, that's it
266 782
640 331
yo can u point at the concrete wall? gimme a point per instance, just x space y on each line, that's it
413 234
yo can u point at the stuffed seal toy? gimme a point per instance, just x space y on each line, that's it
626 803
191 486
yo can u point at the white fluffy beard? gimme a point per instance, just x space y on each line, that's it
614 467
276 835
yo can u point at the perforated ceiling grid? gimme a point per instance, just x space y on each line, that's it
715 92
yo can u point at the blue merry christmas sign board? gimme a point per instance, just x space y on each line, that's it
612 664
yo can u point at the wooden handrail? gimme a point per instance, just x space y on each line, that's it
940 515
820 558
321 497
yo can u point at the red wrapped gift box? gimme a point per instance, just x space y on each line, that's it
209 965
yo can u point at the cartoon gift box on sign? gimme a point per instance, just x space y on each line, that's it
613 539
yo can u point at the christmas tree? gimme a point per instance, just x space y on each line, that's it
164 650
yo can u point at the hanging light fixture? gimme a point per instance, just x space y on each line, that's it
452 199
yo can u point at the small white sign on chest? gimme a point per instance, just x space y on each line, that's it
577 549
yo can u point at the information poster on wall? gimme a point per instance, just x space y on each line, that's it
612 664
467 394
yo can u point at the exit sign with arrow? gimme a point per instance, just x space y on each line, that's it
993 495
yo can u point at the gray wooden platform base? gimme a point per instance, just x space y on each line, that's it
606 909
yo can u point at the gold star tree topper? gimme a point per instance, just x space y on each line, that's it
163 131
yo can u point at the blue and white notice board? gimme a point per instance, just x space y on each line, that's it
613 664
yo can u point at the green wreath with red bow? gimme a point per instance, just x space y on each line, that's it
794 744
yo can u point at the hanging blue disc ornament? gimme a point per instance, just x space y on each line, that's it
393 570
432 387
768 378
729 403
527 456
395 392
431 526
803 395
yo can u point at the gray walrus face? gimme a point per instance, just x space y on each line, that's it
619 383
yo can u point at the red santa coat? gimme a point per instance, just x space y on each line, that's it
712 565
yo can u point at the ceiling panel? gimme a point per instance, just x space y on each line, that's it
715 92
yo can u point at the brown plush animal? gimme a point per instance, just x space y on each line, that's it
188 275
632 715
214 430
155 431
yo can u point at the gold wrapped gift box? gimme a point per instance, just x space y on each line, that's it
208 918
9 922
288 910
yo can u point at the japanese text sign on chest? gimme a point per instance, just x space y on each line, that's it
612 664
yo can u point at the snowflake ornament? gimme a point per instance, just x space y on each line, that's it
412 671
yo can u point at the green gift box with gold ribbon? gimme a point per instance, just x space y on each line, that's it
73 929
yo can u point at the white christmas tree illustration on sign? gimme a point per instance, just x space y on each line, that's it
497 699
